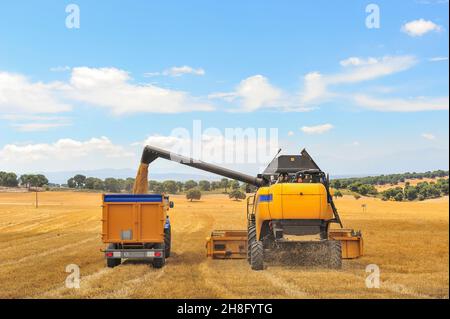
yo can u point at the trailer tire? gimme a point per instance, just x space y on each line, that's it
160 261
334 254
251 237
112 262
167 241
257 255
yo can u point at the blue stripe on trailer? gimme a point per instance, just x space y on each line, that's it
122 198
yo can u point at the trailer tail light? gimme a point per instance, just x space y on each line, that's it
109 254
157 254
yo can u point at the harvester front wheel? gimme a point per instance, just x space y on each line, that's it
112 262
167 241
251 237
334 254
257 255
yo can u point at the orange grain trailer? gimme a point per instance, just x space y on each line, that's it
136 227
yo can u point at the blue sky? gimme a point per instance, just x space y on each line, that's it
362 100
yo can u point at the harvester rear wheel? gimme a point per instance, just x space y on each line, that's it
251 237
160 261
167 241
334 254
112 262
257 255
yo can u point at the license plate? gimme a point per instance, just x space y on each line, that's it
133 254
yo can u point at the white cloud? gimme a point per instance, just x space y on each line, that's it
438 59
226 96
291 133
377 68
60 68
314 88
239 146
253 93
402 105
257 92
356 61
428 136
65 154
111 88
177 71
355 70
181 70
420 27
317 129
35 127
19 95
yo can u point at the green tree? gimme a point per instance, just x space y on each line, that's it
193 193
235 185
338 193
94 183
8 179
155 187
41 180
190 184
170 187
336 184
204 186
410 193
33 180
398 197
224 183
129 184
71 183
443 186
215 185
236 194
248 188
112 185
180 186
79 180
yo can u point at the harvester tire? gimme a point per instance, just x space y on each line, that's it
251 237
335 254
167 241
257 255
112 262
160 261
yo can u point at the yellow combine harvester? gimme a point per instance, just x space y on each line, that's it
292 210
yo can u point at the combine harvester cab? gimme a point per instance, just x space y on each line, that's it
136 227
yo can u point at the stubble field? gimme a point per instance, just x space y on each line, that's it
407 240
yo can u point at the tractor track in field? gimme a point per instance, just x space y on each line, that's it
52 235
47 252
290 290
212 283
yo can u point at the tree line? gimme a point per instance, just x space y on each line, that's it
365 186
391 179
9 179
421 191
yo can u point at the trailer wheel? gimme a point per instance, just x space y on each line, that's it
334 254
167 241
160 261
257 255
112 262
251 237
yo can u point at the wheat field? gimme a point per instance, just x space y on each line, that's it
407 240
